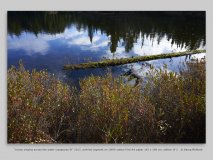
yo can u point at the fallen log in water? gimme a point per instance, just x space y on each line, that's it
113 62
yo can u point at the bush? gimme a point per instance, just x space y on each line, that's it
179 101
166 108
113 112
38 106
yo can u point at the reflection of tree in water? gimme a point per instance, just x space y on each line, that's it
182 28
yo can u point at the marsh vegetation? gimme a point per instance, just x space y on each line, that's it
166 108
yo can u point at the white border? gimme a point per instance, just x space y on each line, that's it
8 151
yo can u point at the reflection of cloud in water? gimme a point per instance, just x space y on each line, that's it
80 41
67 34
71 37
149 47
100 43
29 43
152 47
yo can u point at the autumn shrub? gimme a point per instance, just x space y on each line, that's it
179 101
166 107
39 106
113 112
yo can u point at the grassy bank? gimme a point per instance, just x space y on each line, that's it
113 62
168 108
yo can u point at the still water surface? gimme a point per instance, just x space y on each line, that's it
49 40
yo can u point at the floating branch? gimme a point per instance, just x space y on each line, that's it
114 62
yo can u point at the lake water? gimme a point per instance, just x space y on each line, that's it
49 40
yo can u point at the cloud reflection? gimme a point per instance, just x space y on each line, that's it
29 43
40 44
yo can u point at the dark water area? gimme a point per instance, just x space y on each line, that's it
49 40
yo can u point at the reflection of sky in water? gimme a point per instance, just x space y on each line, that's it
45 43
173 64
51 52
